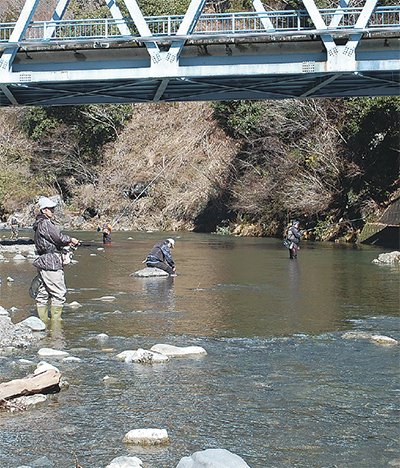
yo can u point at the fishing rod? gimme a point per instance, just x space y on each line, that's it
333 224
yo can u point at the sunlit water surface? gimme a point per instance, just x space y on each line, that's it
279 386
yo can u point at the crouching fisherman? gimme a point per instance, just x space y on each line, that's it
162 252
48 241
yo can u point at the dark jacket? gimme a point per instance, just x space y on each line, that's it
159 253
294 235
48 241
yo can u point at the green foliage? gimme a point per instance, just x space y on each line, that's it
239 118
373 132
157 7
239 5
70 139
97 9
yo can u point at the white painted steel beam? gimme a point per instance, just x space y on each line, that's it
18 33
188 24
144 30
117 15
266 22
57 16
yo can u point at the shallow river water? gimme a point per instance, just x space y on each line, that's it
279 386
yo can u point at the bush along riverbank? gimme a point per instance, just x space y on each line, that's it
239 168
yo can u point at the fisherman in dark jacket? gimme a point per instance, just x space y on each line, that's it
162 252
48 241
293 236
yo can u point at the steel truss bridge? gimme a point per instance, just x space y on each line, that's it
342 52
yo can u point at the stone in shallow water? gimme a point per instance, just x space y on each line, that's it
52 352
388 258
384 340
147 437
142 356
149 273
34 323
176 351
212 458
125 462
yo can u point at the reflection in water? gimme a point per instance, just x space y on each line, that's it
279 385
159 292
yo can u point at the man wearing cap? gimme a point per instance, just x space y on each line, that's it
48 242
162 252
293 236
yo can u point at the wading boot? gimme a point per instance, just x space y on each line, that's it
42 311
56 312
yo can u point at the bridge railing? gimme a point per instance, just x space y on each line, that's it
207 25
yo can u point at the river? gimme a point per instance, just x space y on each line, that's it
279 386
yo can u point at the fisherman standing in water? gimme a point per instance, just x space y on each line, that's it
160 252
293 236
48 241
107 229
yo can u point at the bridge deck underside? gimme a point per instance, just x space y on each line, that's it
202 89
220 71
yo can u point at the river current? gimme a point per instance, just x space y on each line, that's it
279 386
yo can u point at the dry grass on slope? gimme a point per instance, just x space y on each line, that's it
179 150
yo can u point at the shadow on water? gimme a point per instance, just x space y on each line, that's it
279 386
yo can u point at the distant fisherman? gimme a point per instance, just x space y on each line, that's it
14 224
293 236
107 229
162 252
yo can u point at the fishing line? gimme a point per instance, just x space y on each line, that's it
103 256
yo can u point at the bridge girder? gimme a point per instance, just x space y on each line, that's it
183 67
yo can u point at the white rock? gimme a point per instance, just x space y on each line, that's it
102 337
143 356
2 257
3 311
212 458
74 305
43 366
52 352
19 257
34 323
149 273
125 462
9 279
105 298
384 340
30 400
72 359
176 351
356 335
25 361
146 437
388 258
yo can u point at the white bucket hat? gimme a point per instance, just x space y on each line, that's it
45 202
172 242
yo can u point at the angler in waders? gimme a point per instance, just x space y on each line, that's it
160 252
293 236
49 241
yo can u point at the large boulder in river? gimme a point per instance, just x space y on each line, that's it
388 258
176 351
149 273
212 458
